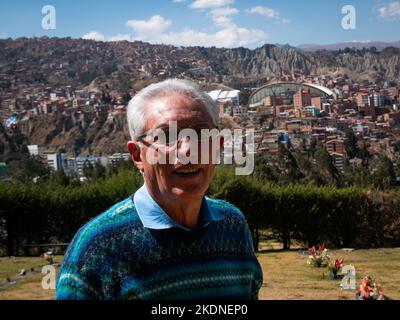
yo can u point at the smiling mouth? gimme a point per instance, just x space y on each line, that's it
187 171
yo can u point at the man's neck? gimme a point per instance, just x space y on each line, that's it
185 212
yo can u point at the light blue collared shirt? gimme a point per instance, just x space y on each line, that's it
154 217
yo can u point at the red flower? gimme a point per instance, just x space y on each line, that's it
313 250
339 263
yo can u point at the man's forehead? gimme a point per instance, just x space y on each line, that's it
161 110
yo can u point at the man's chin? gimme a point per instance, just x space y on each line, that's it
189 191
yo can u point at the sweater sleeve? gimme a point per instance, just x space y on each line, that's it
257 279
73 285
78 275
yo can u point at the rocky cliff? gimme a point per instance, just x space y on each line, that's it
95 136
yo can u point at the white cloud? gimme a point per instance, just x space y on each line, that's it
229 37
361 41
390 11
222 16
145 28
97 36
94 35
227 11
155 30
179 1
205 4
264 11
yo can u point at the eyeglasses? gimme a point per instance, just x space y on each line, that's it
163 137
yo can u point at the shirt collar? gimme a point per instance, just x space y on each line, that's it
154 217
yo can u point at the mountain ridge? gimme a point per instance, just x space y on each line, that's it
379 45
124 63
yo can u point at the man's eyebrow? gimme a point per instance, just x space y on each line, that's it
165 126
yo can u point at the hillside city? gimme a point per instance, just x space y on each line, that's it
357 121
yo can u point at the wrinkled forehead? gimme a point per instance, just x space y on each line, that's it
160 111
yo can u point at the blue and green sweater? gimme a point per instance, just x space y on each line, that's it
135 251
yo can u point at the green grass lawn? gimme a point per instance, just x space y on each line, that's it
28 287
286 275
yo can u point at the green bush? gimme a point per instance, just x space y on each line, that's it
43 213
39 214
350 217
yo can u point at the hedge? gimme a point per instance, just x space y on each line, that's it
38 214
339 217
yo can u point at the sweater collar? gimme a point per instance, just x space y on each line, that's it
154 217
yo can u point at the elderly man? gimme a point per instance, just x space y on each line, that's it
167 241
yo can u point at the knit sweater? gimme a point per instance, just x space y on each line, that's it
115 257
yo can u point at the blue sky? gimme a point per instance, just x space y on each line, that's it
221 23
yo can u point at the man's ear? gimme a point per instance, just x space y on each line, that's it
135 152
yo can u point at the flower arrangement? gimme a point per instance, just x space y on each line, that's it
318 258
48 256
335 268
370 290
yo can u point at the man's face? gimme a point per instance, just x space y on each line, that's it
173 179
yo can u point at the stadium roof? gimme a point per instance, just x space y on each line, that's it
223 94
288 89
329 92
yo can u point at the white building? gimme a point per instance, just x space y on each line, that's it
81 162
225 96
378 100
58 161
116 158
35 150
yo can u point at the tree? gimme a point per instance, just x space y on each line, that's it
105 97
384 176
99 171
87 77
109 69
26 168
111 170
354 176
94 172
351 145
326 166
59 178
88 169
126 165
263 171
304 162
312 148
287 162
363 152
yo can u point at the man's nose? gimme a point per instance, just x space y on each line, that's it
184 146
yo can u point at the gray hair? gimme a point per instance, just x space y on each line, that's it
136 107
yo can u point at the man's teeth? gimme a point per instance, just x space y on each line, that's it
187 170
